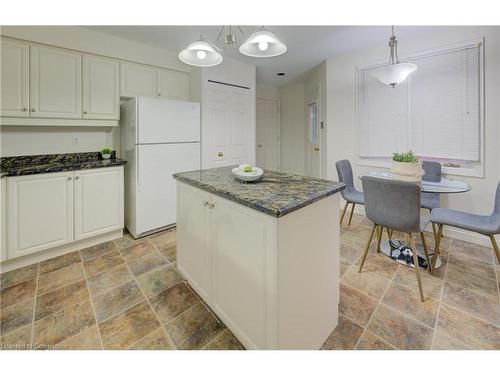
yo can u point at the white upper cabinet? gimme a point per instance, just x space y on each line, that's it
101 88
173 85
14 79
137 80
55 83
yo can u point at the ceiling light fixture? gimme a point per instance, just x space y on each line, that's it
202 53
263 43
395 72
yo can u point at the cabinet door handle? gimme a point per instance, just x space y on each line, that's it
205 203
159 94
85 112
69 178
25 109
32 109
211 205
77 177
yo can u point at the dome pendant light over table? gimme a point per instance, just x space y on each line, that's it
395 72
201 53
262 43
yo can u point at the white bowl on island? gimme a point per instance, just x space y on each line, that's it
246 172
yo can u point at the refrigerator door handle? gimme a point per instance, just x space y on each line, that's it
137 169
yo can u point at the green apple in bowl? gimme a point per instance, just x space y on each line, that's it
247 168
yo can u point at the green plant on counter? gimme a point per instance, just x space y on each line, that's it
405 157
106 151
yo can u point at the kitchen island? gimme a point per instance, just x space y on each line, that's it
264 256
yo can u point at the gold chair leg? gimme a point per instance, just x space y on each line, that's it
380 230
352 211
436 247
495 246
343 212
424 245
389 233
367 247
417 268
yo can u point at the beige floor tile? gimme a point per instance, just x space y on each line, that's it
379 264
128 327
367 282
356 305
61 298
98 251
224 341
158 280
472 282
350 254
443 342
86 340
432 285
369 341
147 263
18 276
156 340
344 266
344 336
126 241
464 327
109 279
18 339
170 252
472 265
17 293
164 239
59 278
194 328
356 239
478 252
104 263
400 330
137 250
59 262
16 316
475 304
117 300
63 324
173 301
408 301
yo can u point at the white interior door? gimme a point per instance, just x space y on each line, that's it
313 139
156 192
227 135
267 134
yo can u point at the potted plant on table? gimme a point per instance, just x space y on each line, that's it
106 153
406 166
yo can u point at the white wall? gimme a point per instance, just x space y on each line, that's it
40 140
265 91
342 116
292 128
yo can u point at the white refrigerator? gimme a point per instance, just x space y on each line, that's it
159 137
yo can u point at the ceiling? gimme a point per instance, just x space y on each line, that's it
308 46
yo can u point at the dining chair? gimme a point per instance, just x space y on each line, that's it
350 194
430 201
395 205
488 225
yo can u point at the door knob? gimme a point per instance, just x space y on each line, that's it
316 148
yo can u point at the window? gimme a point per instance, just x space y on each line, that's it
437 112
313 123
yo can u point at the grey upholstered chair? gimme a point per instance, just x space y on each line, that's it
350 194
430 201
488 225
395 205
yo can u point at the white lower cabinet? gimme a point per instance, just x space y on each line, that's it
272 281
98 201
39 212
45 211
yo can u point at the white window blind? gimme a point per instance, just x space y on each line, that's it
435 113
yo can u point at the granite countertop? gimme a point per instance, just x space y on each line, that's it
277 194
37 164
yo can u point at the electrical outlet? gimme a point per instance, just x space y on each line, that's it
75 141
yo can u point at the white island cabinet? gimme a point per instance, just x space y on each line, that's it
273 280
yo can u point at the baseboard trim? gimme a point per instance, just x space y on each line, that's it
459 234
30 259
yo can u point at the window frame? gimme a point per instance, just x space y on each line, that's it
381 162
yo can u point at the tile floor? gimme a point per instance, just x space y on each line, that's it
127 294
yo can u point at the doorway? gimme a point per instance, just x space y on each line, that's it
268 133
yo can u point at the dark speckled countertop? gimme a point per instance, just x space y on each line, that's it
277 194
37 164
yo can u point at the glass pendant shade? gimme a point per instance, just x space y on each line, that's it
200 53
262 44
393 74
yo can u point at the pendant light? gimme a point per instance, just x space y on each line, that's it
201 53
262 43
395 72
